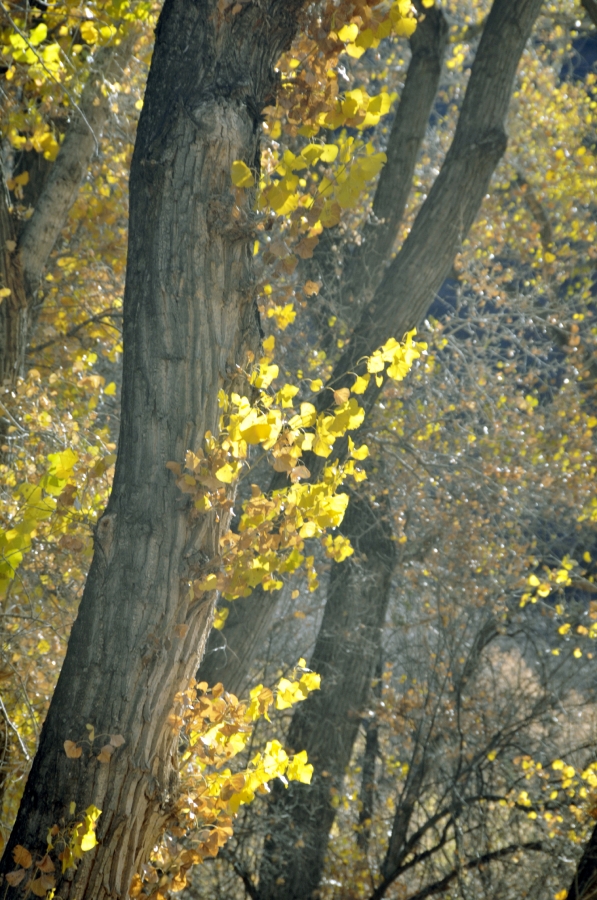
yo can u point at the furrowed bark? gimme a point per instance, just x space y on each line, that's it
326 725
40 233
230 653
189 320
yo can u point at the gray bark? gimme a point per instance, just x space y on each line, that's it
326 725
189 319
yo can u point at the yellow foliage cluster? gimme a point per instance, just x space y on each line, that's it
216 727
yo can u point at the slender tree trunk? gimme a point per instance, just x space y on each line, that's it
412 279
23 267
189 319
367 792
346 653
230 653
364 267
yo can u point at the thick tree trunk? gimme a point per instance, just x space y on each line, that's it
230 653
346 654
23 267
189 319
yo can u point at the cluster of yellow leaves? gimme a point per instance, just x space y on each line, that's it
216 727
272 529
68 844
47 48
60 503
399 358
542 588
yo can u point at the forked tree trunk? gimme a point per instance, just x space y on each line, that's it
230 653
189 320
326 725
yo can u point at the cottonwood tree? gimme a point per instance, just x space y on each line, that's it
189 322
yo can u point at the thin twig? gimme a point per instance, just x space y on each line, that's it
14 728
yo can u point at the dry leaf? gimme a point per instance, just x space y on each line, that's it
341 395
181 630
117 740
21 856
46 865
36 887
15 877
11 246
72 750
105 754
311 287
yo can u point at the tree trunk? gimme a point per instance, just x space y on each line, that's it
364 267
23 267
326 725
412 279
230 653
189 319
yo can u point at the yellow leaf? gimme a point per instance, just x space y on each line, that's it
348 33
39 34
299 769
62 463
88 841
220 616
241 174
227 473
89 33
110 389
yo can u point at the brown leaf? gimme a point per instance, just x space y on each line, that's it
181 630
174 467
235 9
72 750
105 754
46 865
341 395
36 887
311 287
15 877
48 881
117 740
21 856
299 472
306 247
